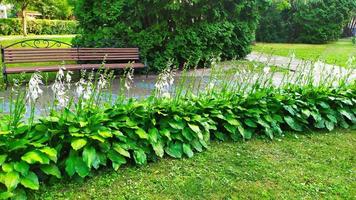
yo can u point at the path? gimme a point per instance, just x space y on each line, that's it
295 64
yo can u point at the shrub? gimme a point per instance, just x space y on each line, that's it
38 27
306 22
182 31
92 133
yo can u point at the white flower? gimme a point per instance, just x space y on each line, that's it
34 89
102 82
350 61
266 70
84 89
129 79
292 57
59 89
318 65
165 82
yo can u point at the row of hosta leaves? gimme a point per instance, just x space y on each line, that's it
72 144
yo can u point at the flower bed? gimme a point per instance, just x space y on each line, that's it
87 133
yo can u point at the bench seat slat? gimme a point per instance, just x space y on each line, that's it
73 67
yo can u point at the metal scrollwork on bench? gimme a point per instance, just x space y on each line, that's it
40 43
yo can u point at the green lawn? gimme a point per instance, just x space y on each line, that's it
332 53
311 166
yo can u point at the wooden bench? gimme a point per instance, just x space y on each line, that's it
44 50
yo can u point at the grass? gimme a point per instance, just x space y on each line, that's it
333 53
310 166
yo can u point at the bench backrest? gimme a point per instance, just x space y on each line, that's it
34 55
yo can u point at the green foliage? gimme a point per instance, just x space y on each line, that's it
54 9
354 40
39 27
187 32
307 22
73 143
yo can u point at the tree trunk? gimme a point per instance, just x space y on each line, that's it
24 22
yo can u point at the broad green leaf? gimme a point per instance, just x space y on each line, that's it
175 150
290 110
50 152
241 131
78 143
140 157
83 124
98 138
116 159
51 170
30 181
292 123
329 125
187 134
176 125
8 167
89 155
348 115
11 179
197 130
220 136
105 134
73 129
194 128
153 135
269 133
6 195
332 118
22 167
320 123
230 128
306 113
232 121
35 156
248 134
100 160
121 150
197 146
158 148
250 123
187 150
2 159
19 194
141 133
166 133
324 105
70 164
81 168
5 132
41 128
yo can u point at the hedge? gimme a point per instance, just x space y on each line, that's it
13 26
305 21
185 32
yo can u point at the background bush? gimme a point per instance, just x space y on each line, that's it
312 21
163 30
38 27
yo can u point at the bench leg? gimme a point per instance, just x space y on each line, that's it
6 81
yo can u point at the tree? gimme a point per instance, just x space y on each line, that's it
22 5
54 9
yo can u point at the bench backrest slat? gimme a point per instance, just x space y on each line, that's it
25 55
